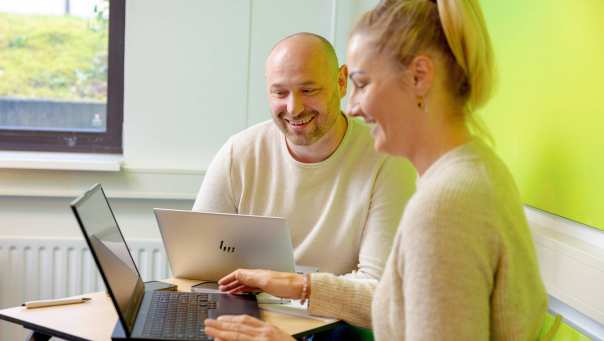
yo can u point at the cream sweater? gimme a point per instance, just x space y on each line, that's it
343 212
462 267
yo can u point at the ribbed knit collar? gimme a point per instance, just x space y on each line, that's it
470 149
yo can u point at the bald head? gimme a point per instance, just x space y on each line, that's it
311 48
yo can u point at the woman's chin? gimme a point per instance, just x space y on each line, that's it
380 146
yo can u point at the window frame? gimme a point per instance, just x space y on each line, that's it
109 141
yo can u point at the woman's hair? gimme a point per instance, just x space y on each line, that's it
455 29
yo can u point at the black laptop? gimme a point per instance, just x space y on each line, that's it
146 315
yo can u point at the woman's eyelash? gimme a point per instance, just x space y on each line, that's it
359 85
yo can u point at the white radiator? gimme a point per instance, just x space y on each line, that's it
43 268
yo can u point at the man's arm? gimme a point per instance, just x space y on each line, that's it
394 185
216 192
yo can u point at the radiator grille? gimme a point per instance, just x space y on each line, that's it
32 269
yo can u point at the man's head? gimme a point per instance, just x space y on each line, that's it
304 87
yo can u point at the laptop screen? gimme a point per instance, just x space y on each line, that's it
110 253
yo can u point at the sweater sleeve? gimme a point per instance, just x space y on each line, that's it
216 192
394 185
446 260
345 299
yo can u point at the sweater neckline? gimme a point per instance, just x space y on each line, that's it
463 149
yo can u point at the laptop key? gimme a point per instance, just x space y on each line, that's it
179 317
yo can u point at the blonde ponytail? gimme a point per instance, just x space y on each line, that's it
469 41
454 28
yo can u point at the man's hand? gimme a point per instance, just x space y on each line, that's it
243 328
280 284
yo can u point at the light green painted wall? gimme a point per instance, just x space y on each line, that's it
547 116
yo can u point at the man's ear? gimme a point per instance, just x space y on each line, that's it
343 80
422 72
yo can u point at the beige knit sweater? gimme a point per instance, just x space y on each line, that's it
462 267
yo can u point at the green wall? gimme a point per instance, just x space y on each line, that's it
547 116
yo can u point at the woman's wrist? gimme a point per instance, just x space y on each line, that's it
296 286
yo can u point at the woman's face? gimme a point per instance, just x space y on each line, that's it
382 94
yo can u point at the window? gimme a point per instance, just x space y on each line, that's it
62 75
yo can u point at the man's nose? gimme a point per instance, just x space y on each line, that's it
294 104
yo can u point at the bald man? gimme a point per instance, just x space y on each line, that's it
314 166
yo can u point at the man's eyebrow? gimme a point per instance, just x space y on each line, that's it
305 83
308 83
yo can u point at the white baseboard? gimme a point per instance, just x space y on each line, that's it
571 258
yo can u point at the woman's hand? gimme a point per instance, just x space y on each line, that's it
243 328
280 284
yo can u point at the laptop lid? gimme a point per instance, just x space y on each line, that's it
208 246
110 253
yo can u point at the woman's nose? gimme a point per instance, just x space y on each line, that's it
353 109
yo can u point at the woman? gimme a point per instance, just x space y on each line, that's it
463 264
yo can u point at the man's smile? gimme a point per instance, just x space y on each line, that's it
300 122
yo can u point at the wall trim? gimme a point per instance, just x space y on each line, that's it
127 183
60 161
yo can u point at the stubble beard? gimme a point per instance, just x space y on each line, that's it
319 129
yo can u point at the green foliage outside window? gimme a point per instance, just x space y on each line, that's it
54 57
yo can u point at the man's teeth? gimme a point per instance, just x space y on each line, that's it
302 121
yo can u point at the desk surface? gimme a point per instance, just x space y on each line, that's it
95 320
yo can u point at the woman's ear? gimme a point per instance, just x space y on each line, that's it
422 72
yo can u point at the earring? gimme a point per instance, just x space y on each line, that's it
422 104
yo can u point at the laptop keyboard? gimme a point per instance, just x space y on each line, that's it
177 315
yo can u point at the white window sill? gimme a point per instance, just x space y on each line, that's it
60 161
571 259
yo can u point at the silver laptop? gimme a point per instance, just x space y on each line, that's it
208 246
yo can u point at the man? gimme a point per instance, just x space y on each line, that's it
314 166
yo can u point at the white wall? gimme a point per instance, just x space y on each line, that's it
52 217
185 80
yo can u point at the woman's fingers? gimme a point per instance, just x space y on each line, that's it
240 289
242 278
282 284
227 335
228 278
233 327
230 286
244 319
243 328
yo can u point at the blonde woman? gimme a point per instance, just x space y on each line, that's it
463 265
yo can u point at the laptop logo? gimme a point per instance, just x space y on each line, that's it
224 247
